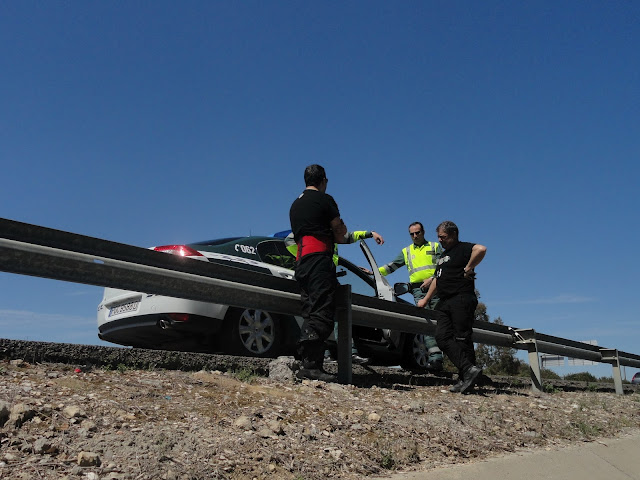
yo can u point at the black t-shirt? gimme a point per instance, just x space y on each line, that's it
450 271
311 214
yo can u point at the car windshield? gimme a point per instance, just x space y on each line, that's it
275 253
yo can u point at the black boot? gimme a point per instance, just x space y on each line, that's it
470 378
358 360
312 353
434 366
315 374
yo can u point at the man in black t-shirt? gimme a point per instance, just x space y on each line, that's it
316 226
455 285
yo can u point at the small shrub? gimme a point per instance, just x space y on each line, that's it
581 377
549 374
245 375
387 462
550 388
586 429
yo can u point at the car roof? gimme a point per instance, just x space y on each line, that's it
216 241
251 239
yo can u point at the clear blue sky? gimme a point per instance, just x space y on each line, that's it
153 123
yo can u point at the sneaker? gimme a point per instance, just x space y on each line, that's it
457 387
434 366
315 374
470 378
358 360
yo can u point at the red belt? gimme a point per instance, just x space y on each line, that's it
309 244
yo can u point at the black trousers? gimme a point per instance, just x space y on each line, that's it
316 276
455 329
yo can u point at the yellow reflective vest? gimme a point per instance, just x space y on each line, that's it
420 261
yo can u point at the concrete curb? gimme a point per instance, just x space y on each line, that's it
604 459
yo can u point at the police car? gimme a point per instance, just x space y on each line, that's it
145 320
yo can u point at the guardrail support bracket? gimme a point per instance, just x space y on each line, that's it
610 355
527 337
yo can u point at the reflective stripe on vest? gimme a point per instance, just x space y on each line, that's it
420 261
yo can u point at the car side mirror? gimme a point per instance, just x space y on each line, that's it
400 288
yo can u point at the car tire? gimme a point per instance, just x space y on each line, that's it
252 333
415 355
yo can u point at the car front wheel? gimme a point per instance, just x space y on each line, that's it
416 354
253 333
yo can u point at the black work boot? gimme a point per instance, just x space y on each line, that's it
312 370
456 388
434 366
358 360
315 374
312 353
470 378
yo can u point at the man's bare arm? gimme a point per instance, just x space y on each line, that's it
432 290
339 230
477 254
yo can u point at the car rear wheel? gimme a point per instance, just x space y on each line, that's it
253 333
416 354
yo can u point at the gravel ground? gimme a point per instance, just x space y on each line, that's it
113 421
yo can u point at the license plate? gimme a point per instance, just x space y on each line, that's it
124 308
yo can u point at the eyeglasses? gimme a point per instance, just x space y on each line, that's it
415 234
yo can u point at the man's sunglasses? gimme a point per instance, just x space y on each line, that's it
415 234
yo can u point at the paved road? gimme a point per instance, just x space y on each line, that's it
607 459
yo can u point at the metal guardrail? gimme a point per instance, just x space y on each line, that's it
44 252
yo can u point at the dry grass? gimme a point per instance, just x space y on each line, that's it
169 424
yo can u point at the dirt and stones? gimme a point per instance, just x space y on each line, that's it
60 422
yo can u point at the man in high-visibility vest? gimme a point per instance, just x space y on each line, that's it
349 237
420 258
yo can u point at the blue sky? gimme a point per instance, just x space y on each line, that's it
159 122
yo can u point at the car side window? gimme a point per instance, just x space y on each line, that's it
275 253
358 284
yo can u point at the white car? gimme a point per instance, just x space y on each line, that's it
144 320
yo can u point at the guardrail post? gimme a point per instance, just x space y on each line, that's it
343 317
527 337
610 355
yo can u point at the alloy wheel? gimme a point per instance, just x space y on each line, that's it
257 331
419 351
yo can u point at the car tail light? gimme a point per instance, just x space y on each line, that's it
181 250
179 317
